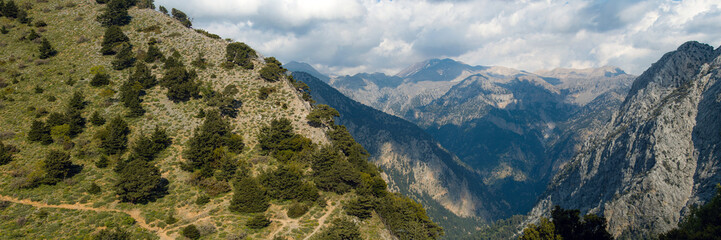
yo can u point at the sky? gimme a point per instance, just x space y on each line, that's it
341 37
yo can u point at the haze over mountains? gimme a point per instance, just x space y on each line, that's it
511 128
637 150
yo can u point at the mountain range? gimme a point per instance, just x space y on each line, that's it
638 150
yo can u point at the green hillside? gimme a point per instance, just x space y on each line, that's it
163 131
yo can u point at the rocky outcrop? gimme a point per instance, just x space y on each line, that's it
659 153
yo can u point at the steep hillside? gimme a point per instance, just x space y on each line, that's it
120 121
657 156
413 163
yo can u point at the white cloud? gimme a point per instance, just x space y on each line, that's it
349 36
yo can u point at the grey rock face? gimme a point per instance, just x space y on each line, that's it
413 163
657 156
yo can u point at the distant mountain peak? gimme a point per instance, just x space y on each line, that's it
294 66
438 70
605 71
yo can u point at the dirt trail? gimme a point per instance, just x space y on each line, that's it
321 221
135 213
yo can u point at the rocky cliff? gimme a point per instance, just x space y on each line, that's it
413 162
657 156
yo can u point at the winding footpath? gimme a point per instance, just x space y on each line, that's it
135 213
321 221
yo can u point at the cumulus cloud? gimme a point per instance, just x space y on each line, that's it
350 36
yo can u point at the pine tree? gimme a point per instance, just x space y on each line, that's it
124 59
144 76
181 84
284 183
271 72
56 119
115 14
544 231
143 149
248 197
115 138
160 139
10 10
182 17
46 50
57 166
96 119
130 93
23 17
206 139
343 229
77 101
6 154
240 54
191 232
39 132
153 54
75 121
361 207
139 182
322 115
163 10
114 36
33 35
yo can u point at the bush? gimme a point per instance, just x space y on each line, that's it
297 210
322 115
264 92
191 232
94 189
258 222
202 200
115 234
240 54
40 23
342 229
100 79
271 72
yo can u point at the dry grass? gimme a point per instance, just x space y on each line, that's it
74 33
